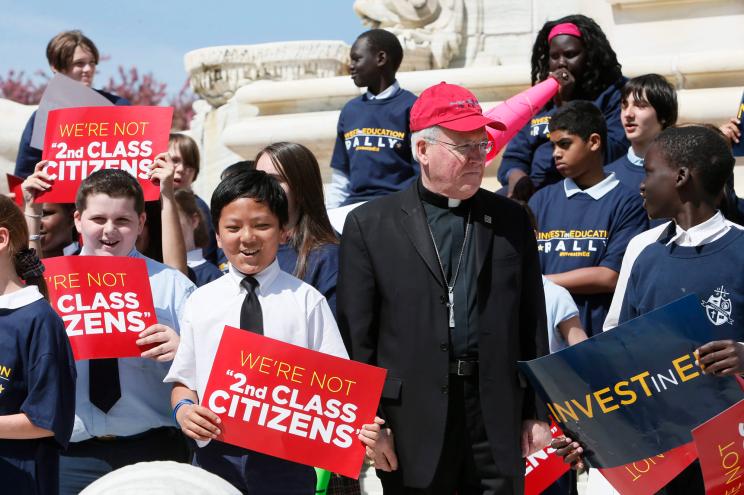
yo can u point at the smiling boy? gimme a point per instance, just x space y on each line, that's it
75 55
122 414
250 212
649 105
372 156
586 220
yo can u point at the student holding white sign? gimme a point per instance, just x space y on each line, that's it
73 54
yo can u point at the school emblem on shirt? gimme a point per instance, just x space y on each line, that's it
718 307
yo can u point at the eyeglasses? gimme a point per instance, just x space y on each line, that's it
482 148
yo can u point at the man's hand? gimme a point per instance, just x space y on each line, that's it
165 336
535 436
570 451
380 447
198 422
721 357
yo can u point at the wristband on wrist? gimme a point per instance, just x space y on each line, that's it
32 215
34 237
178 405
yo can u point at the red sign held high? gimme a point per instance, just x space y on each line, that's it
80 141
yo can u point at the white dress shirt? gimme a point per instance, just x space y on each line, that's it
293 312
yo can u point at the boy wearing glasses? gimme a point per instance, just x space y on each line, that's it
586 220
372 155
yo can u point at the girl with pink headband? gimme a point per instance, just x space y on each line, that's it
576 52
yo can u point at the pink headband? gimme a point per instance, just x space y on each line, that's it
568 28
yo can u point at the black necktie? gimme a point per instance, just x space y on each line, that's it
251 316
103 383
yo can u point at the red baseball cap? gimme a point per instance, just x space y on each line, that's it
452 107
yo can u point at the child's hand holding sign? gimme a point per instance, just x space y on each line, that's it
162 171
164 341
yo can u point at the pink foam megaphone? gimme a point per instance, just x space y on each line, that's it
516 111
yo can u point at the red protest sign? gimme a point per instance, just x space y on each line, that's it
648 476
105 302
720 445
80 141
14 186
290 402
544 467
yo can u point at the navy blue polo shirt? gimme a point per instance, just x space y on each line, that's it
37 377
580 229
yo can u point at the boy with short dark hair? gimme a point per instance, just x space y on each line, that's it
250 211
586 220
649 105
372 156
686 170
122 414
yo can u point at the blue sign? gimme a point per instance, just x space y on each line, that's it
635 391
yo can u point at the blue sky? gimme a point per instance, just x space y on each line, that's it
155 34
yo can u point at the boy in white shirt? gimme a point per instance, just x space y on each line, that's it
249 213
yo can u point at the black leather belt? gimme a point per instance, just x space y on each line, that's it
462 367
136 436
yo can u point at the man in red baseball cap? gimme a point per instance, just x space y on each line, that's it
440 284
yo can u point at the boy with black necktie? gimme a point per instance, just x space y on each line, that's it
249 212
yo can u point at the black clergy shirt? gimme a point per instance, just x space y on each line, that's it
448 227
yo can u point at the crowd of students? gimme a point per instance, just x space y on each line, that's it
264 256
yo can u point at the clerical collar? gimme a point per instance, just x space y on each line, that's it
436 199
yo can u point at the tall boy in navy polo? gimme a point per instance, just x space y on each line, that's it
122 411
585 221
372 155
